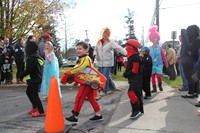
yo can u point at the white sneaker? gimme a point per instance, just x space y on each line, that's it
102 93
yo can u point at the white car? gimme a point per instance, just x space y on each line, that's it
72 60
65 63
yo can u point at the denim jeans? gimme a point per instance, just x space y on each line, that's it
106 72
184 80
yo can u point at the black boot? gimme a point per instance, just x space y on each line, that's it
154 89
160 87
135 111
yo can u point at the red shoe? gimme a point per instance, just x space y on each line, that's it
32 111
37 114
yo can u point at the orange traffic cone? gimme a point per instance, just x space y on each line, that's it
54 116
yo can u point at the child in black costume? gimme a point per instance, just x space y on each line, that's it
147 69
7 70
33 76
134 74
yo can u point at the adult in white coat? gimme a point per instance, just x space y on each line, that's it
104 54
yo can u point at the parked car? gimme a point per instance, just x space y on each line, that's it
65 63
72 60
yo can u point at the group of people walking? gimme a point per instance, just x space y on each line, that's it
144 67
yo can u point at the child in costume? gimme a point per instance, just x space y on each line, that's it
147 69
7 70
33 76
84 90
120 60
158 57
134 74
51 68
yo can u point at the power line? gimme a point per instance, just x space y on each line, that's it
179 6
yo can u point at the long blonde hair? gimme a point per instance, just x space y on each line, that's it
48 43
101 33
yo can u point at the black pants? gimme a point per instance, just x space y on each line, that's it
189 71
146 81
20 67
119 66
172 72
7 76
32 93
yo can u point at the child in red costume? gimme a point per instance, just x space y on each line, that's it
134 74
84 90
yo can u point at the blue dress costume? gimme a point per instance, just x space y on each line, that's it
155 53
50 69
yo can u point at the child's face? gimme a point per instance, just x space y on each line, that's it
80 51
143 52
6 61
47 49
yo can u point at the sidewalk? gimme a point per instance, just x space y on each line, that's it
165 112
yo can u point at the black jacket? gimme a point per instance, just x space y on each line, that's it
19 52
147 65
33 69
185 54
194 38
134 67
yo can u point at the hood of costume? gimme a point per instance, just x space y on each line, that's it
31 48
132 47
193 32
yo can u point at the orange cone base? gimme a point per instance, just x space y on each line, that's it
67 128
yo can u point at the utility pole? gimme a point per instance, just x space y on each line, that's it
65 39
142 38
86 40
157 14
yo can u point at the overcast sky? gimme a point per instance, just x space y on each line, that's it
93 15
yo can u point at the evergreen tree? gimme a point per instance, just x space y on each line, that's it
130 26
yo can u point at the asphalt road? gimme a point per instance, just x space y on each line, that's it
14 105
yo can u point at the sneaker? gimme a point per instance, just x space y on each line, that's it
102 93
188 96
195 95
183 89
135 114
147 97
72 119
160 88
110 92
197 104
37 114
32 111
96 118
117 89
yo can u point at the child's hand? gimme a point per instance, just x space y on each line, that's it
65 76
75 84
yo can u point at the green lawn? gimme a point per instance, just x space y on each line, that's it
173 83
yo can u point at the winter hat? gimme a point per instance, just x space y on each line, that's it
153 33
46 36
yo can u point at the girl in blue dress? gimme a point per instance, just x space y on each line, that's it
158 57
51 68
